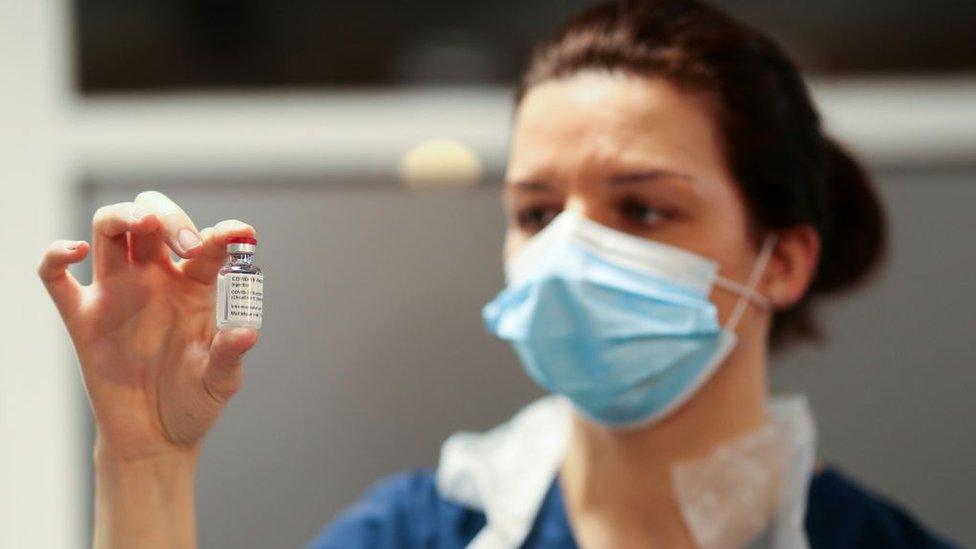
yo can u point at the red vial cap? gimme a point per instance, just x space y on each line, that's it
242 240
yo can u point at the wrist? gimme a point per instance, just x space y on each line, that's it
144 501
168 463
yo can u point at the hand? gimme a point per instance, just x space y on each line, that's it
157 373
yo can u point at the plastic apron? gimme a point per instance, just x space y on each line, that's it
507 471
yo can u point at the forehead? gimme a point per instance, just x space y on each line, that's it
595 117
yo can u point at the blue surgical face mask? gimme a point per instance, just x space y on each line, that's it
619 324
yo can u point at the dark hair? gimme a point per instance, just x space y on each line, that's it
788 171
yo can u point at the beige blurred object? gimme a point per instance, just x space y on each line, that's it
42 480
441 163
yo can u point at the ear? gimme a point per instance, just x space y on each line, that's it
792 266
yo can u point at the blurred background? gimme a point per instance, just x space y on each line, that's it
366 142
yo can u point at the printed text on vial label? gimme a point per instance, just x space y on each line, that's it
240 297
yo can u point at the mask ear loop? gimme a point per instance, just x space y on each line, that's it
769 244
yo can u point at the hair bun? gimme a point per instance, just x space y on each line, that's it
854 242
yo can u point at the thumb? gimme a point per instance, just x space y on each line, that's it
224 373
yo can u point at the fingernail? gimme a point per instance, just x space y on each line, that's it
189 240
71 246
138 212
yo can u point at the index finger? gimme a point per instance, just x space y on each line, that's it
176 228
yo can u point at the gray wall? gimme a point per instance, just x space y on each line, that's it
372 350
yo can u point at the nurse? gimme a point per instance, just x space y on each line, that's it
675 210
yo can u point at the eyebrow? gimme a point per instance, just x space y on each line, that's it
622 178
530 185
645 176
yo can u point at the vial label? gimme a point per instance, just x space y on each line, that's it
239 300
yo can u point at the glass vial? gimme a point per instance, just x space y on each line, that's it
240 286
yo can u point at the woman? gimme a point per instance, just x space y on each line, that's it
675 210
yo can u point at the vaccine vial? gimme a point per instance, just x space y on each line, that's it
240 286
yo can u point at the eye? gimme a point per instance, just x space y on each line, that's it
642 214
534 218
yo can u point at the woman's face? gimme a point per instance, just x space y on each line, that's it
632 153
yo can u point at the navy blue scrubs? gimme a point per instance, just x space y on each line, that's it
406 511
